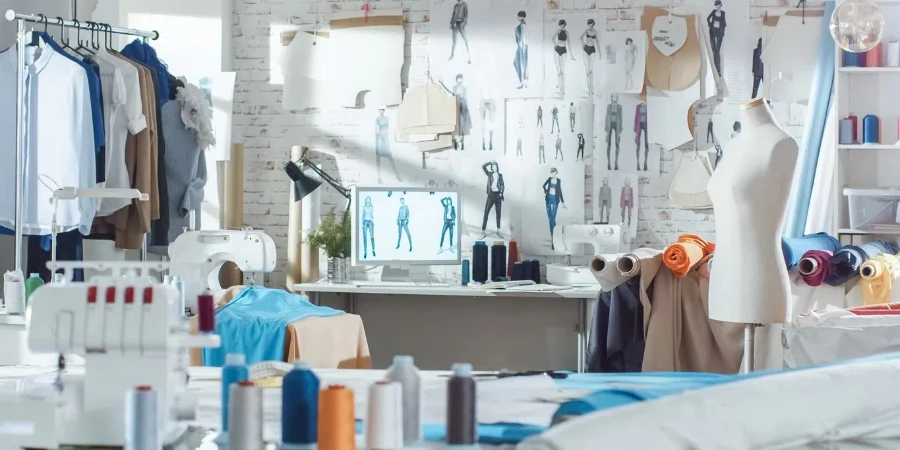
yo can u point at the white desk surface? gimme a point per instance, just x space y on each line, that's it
446 291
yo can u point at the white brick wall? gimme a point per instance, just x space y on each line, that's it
268 131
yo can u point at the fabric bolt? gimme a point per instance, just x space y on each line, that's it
683 255
58 145
878 274
608 277
254 324
846 262
794 248
823 260
617 335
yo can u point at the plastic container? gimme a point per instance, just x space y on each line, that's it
873 208
33 282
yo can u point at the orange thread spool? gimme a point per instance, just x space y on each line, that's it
337 421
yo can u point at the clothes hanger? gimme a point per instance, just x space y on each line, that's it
95 43
81 49
35 36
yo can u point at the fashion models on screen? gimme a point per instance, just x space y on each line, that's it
572 112
626 201
559 153
758 68
640 128
580 154
553 197
521 60
561 47
590 44
554 123
460 90
449 222
487 125
403 224
604 199
630 61
613 125
495 188
383 144
458 22
541 157
368 225
716 22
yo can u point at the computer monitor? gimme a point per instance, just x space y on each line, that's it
397 227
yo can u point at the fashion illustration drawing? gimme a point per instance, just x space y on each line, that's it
553 197
383 144
604 199
521 60
716 22
495 188
449 222
626 201
403 224
640 129
460 91
458 22
562 48
368 227
591 45
613 125
630 61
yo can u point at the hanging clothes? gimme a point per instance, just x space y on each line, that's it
617 334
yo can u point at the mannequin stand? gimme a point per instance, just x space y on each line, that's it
750 347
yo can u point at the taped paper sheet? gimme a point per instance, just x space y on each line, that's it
623 131
515 47
551 196
623 62
573 57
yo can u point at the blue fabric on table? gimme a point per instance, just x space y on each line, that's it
254 322
794 248
845 263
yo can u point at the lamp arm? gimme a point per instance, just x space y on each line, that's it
327 178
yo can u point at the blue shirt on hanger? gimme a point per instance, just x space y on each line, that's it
146 55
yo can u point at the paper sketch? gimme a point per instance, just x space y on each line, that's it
551 196
514 44
395 163
667 115
460 90
716 23
495 190
733 45
625 59
459 18
617 203
383 145
573 53
566 134
488 111
625 133
458 39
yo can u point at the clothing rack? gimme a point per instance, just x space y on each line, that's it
20 101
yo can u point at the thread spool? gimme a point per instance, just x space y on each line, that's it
628 265
535 271
245 417
498 261
513 257
845 135
406 374
385 424
207 311
141 419
167 279
855 121
465 272
850 59
234 371
527 270
178 284
300 407
461 419
337 424
893 54
518 271
873 56
480 262
871 132
807 266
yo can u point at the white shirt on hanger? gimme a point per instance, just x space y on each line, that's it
58 141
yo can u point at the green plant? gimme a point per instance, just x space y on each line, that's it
333 235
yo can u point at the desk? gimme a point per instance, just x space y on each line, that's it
583 295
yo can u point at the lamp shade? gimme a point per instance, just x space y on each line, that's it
303 184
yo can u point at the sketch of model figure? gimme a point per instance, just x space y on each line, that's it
580 154
403 224
716 22
640 128
495 189
541 158
559 153
710 134
604 199
626 201
383 144
487 125
758 68
554 122
553 197
630 61
519 138
572 112
561 47
521 60
458 22
540 121
449 222
613 125
590 44
368 227
460 90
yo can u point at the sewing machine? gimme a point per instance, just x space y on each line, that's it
129 331
600 237
197 257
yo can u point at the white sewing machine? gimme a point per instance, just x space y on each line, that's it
129 331
197 257
601 237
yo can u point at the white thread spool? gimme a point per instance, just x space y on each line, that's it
14 292
245 417
893 54
384 417
141 425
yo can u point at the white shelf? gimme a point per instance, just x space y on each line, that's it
870 70
886 232
869 146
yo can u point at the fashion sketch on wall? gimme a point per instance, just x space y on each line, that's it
495 190
716 23
623 68
736 49
383 145
458 41
465 119
543 193
542 131
573 54
459 18
484 185
513 46
449 223
617 203
488 114
628 145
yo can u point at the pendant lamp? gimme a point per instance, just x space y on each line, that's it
857 25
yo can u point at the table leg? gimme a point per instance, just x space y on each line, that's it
351 304
315 298
582 334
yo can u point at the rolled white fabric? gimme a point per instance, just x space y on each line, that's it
893 54
764 412
604 269
630 263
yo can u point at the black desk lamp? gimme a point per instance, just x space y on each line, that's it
304 184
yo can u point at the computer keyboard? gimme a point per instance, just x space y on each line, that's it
399 284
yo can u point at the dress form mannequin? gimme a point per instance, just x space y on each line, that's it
749 191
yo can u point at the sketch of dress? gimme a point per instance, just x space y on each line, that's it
580 154
495 190
626 201
458 21
716 22
487 125
541 158
368 227
383 145
460 90
572 112
554 123
604 199
591 46
613 125
521 59
553 196
630 61
559 153
540 120
403 224
640 128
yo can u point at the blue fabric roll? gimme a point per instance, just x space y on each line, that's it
846 262
794 248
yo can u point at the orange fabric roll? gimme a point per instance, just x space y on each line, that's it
681 256
337 420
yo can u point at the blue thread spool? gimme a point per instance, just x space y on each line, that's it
465 272
871 133
480 262
846 132
850 59
518 272
300 407
234 371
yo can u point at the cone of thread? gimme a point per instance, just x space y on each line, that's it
337 422
141 413
461 420
300 406
245 417
384 416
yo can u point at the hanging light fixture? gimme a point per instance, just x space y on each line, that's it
857 25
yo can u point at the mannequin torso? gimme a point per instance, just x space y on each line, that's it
750 191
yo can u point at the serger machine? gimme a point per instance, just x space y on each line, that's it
130 332
197 257
601 238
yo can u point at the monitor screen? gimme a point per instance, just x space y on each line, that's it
418 226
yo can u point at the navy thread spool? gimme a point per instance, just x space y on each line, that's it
527 269
498 261
461 419
480 262
300 407
465 272
518 271
870 129
535 271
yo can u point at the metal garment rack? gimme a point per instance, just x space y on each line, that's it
20 101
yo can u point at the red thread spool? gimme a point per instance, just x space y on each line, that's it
207 313
513 257
873 57
854 120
